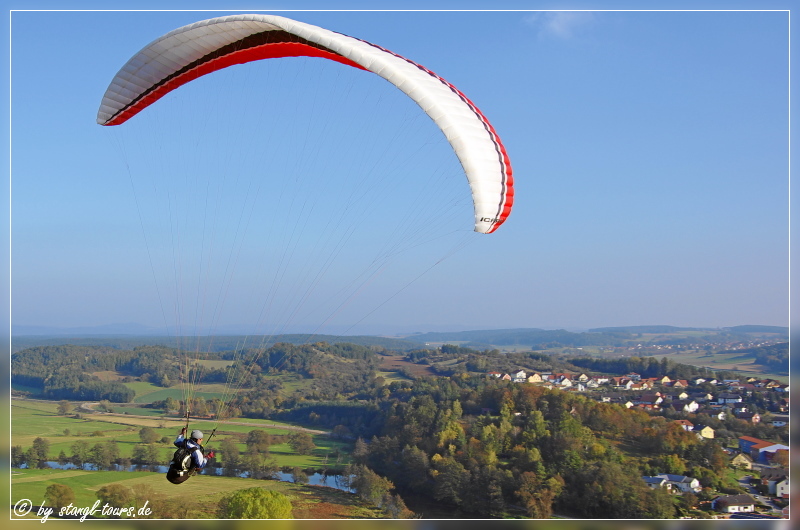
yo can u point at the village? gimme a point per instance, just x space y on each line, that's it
751 401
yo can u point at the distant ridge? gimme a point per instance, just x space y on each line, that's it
528 337
534 338
760 329
108 329
675 329
645 329
215 343
609 336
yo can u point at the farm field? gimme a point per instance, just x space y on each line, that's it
308 502
392 364
742 363
31 419
148 392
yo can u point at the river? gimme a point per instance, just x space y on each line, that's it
315 479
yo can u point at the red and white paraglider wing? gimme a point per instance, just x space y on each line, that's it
197 49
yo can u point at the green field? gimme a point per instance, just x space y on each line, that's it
31 419
201 497
148 392
136 408
390 377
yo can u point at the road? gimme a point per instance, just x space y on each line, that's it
761 499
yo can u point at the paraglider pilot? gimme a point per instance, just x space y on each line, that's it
188 458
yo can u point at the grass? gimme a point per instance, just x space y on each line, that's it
203 494
148 392
291 383
108 375
175 393
136 409
29 420
390 377
32 419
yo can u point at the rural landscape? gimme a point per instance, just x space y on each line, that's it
464 425
398 265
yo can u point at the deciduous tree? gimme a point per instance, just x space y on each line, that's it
115 495
302 443
59 495
255 503
258 441
148 435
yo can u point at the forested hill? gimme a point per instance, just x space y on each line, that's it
72 372
215 344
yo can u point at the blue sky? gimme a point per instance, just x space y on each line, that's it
650 153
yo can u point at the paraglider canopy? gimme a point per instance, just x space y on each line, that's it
204 47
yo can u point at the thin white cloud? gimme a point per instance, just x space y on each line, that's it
560 24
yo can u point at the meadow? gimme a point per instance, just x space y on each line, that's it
200 498
31 419
148 392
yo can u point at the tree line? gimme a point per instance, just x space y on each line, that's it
66 372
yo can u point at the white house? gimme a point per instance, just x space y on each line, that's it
685 405
682 483
564 383
734 503
623 384
657 482
782 488
519 376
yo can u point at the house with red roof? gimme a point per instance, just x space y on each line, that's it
686 425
